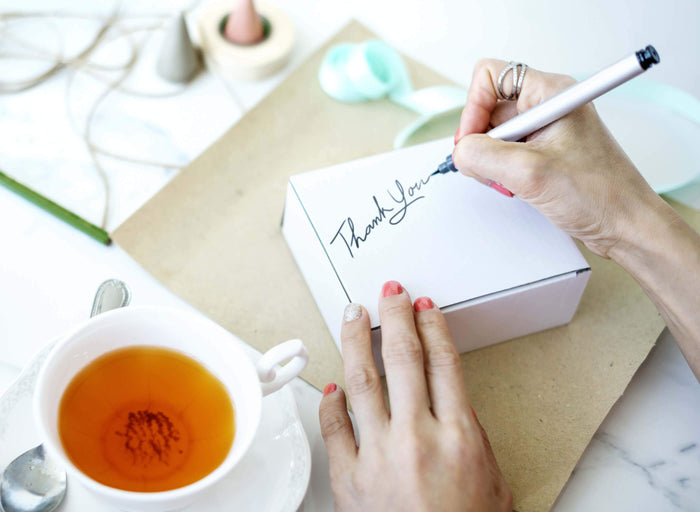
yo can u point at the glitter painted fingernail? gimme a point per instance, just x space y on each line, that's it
352 312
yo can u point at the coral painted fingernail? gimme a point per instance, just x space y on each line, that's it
500 189
423 303
352 312
391 288
329 388
474 414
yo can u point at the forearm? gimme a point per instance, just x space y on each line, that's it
662 252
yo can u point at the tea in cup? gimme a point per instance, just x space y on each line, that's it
149 407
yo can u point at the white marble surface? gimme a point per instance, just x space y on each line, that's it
645 456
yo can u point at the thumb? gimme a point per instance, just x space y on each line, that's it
513 164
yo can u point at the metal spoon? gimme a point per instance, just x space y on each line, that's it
32 483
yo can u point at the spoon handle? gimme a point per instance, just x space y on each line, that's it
111 294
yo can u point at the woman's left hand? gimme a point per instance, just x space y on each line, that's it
430 453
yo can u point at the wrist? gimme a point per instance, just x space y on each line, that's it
663 255
650 232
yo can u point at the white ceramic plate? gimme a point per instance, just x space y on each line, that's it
272 477
658 127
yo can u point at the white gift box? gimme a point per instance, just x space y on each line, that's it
496 267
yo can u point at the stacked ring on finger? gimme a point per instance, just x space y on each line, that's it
518 69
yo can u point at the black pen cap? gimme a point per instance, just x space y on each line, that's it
647 57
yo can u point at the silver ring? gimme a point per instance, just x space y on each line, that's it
518 69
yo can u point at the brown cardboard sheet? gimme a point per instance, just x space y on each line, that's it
212 235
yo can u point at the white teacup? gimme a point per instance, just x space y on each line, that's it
190 334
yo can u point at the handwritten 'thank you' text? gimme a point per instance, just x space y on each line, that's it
393 210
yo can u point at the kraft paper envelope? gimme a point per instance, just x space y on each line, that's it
212 235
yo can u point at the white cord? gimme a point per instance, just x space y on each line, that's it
111 29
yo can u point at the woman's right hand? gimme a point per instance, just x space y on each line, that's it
572 171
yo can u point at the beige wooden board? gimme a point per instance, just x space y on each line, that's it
212 235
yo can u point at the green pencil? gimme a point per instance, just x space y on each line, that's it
71 218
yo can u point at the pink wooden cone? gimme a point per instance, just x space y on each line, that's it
244 25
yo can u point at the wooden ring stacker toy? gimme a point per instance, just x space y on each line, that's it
246 62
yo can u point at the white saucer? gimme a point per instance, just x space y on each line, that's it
272 477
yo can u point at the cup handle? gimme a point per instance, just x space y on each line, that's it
272 376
